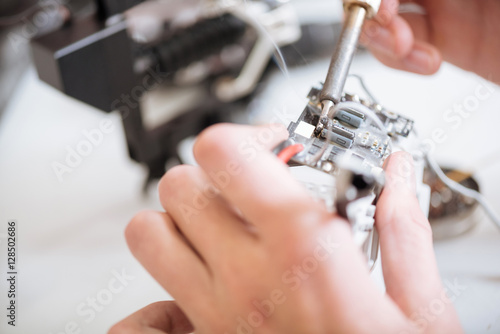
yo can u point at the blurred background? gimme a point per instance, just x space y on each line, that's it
99 98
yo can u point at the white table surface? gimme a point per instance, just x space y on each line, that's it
71 233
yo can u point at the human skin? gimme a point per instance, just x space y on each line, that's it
221 253
462 32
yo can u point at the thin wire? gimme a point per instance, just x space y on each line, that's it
289 152
467 192
365 87
478 197
280 59
482 163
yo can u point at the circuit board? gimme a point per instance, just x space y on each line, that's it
349 138
350 145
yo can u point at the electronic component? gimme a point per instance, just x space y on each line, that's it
349 138
352 153
365 141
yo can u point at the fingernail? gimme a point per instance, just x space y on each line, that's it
422 60
379 38
401 174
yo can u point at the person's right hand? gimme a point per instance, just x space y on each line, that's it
462 32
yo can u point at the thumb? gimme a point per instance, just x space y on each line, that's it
161 317
408 260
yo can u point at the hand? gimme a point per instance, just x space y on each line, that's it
462 32
243 248
157 318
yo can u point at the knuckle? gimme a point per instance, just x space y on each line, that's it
294 246
411 226
174 185
209 141
175 178
136 228
121 328
422 227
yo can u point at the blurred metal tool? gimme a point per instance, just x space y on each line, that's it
356 13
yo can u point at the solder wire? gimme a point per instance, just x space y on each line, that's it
278 54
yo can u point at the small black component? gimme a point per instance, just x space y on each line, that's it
351 117
108 8
404 126
314 149
353 185
343 132
396 124
337 136
318 143
316 146
335 154
360 182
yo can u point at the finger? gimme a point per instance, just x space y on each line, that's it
349 280
401 42
387 11
259 184
155 242
422 59
408 261
204 217
162 317
419 25
394 39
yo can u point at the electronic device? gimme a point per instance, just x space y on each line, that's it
351 148
206 56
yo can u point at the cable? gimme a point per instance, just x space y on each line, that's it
278 54
289 152
478 197
365 87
